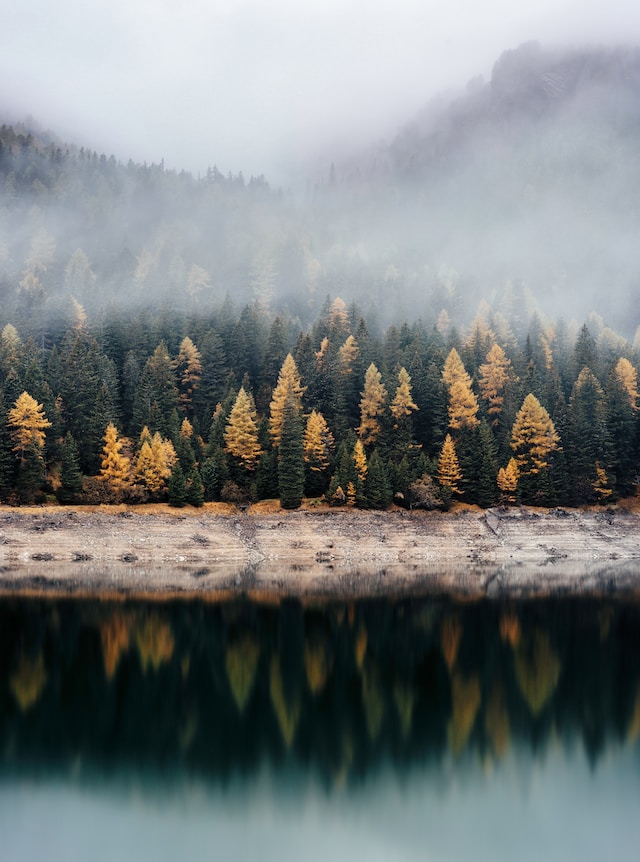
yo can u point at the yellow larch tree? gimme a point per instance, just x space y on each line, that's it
317 442
463 404
155 462
115 469
288 389
533 437
374 397
403 404
347 355
628 377
188 371
27 424
241 433
449 473
495 374
508 480
360 460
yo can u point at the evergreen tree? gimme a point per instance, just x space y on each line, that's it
194 487
377 489
587 435
70 475
291 456
177 487
189 373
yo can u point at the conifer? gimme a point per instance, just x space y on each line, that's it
463 404
374 398
70 475
189 373
318 442
115 468
628 377
288 388
402 404
495 374
449 473
241 434
508 481
360 460
291 456
533 437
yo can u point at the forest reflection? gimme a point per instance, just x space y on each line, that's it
220 689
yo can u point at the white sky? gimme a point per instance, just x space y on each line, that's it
263 86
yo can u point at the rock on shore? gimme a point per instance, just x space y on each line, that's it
323 552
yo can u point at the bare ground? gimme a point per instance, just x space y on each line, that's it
216 551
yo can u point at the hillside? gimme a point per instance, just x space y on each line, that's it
524 189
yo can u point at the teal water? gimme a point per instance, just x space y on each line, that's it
409 729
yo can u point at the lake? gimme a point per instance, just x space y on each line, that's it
401 729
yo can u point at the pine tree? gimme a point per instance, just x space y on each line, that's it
70 475
291 456
449 473
587 435
374 397
194 487
377 489
177 487
115 470
288 388
241 434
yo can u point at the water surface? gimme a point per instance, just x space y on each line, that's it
410 729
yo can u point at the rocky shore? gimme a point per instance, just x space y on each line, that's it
325 552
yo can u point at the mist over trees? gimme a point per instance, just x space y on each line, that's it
522 191
182 337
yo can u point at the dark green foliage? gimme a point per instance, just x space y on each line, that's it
291 458
377 489
177 487
194 487
212 478
70 475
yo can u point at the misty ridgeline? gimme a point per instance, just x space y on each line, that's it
487 218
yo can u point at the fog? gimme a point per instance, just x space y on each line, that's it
271 88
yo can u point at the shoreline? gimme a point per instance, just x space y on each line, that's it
212 552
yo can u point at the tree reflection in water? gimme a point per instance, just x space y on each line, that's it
217 689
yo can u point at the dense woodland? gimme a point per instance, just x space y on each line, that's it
242 405
171 337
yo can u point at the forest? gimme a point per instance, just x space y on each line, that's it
242 406
421 325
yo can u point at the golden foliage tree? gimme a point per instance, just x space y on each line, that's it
27 423
508 480
402 404
533 437
115 468
449 472
463 404
628 377
241 434
374 397
347 355
288 388
495 374
360 460
318 442
189 372
155 462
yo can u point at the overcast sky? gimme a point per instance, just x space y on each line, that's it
263 86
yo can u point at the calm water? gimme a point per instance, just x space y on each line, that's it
410 729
